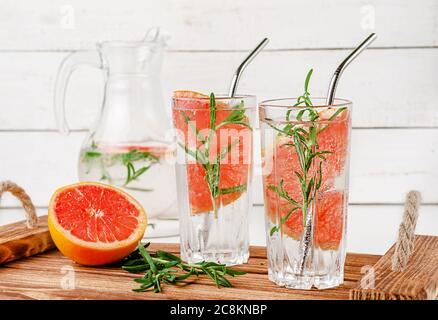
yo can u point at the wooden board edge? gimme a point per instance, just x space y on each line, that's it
428 292
26 242
372 294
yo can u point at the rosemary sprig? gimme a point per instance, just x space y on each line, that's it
239 188
202 154
304 140
127 159
92 154
305 98
162 267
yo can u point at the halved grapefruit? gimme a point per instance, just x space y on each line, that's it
95 224
234 171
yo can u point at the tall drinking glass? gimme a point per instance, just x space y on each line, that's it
214 166
305 154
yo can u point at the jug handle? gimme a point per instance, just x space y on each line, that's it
68 65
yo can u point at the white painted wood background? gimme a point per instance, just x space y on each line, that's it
393 87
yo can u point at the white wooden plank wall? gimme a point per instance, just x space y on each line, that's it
393 86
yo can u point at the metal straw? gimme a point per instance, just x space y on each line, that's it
242 66
336 76
308 233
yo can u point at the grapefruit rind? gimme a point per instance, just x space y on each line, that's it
188 94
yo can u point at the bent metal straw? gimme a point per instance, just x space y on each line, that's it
244 64
337 75
329 101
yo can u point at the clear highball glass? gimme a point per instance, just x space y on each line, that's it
214 169
305 155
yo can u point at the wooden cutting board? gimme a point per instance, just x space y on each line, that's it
419 280
52 276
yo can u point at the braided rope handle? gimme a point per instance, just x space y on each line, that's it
20 194
406 233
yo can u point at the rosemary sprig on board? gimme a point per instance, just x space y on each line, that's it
304 140
162 267
202 154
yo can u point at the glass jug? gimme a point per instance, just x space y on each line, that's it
127 146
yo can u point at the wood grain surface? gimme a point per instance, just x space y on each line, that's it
419 281
18 241
52 276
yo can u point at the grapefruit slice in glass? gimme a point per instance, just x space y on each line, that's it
95 224
233 172
283 161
